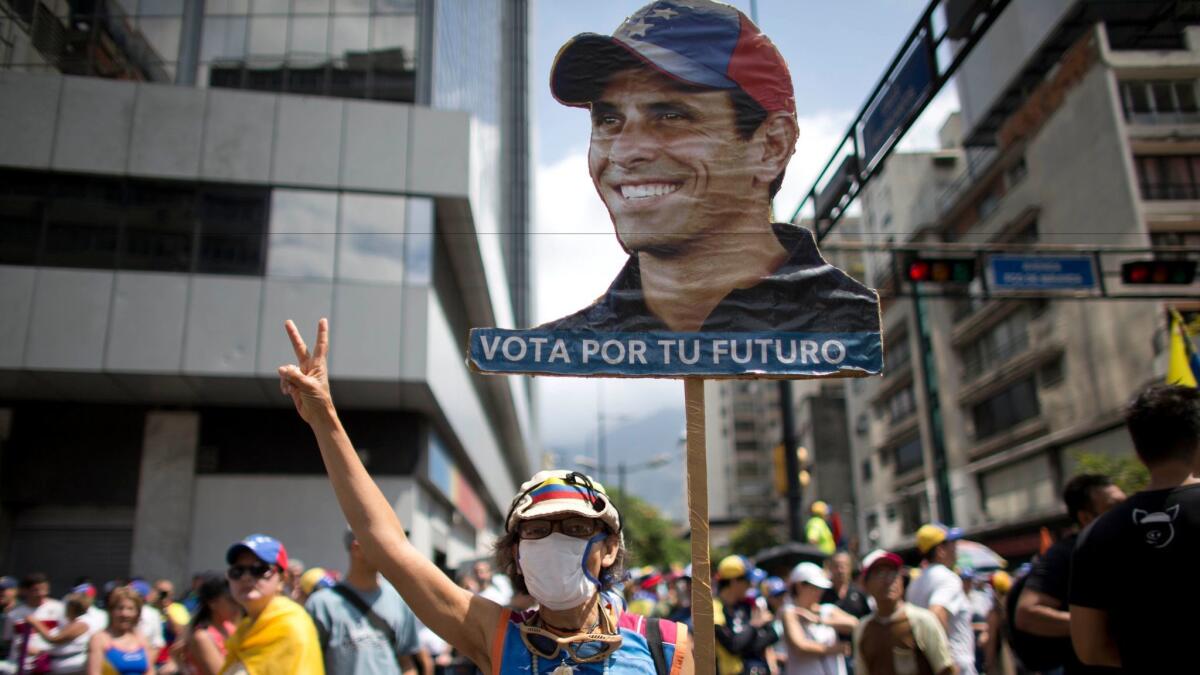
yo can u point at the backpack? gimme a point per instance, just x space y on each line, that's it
657 633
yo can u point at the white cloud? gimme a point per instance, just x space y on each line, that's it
819 135
924 134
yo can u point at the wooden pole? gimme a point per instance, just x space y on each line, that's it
697 487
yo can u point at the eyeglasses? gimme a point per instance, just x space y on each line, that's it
584 648
582 528
258 571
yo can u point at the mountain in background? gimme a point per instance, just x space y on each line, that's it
635 442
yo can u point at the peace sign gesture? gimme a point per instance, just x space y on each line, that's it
308 383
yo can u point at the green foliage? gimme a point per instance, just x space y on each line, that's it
751 536
1126 472
650 538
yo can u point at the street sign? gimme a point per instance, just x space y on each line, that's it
902 98
1041 273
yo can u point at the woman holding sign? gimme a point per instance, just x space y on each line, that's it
563 544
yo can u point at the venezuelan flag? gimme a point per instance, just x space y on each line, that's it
1183 363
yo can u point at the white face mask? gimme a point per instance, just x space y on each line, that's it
554 570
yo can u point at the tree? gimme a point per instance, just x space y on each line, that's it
649 537
751 536
1126 473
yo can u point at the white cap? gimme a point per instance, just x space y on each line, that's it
811 574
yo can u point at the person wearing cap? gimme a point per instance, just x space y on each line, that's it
898 637
940 590
811 628
693 123
817 531
364 625
743 634
773 591
276 637
562 543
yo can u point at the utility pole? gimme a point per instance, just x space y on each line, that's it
933 410
795 497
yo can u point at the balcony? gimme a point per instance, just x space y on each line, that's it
1170 191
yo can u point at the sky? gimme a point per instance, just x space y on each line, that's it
836 52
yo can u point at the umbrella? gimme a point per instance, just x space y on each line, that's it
975 556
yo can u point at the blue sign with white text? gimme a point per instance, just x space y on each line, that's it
671 354
1041 273
898 100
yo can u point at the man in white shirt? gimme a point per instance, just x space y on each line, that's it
940 590
34 590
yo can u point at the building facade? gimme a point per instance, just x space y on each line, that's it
187 174
1080 121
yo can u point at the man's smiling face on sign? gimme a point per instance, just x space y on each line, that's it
668 161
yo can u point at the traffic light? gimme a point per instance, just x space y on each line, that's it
940 270
1158 272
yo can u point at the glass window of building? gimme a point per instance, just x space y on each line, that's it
302 234
418 242
1167 177
344 48
1005 409
371 238
1160 101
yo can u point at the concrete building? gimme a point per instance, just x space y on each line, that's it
1080 126
180 176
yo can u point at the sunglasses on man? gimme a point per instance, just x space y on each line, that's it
258 571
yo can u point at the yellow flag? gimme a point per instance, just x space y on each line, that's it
1179 371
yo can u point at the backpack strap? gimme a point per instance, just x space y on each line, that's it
654 639
376 621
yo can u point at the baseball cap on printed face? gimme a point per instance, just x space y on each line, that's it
267 549
698 42
551 493
933 534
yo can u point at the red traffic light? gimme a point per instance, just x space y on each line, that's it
941 270
1169 272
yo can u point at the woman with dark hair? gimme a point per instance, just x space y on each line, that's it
216 618
562 543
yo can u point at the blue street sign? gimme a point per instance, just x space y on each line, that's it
1041 273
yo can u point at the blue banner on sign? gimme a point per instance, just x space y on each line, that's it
1042 273
667 354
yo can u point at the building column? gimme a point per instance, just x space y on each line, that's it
163 521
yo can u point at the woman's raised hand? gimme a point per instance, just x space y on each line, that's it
307 381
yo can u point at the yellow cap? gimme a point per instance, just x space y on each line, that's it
310 579
932 535
819 508
731 567
1001 581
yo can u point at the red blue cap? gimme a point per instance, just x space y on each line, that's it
267 549
698 42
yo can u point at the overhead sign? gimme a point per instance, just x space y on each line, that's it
1041 273
899 99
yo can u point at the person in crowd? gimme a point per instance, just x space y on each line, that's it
845 594
562 542
940 590
681 604
276 637
192 601
1041 635
743 632
151 622
175 618
774 591
811 628
1144 620
8 602
121 648
898 637
980 600
69 642
216 617
313 580
365 627
998 657
817 531
36 603
291 580
494 587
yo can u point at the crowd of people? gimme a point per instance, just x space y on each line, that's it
1112 597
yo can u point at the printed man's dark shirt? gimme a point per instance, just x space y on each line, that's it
1139 563
805 295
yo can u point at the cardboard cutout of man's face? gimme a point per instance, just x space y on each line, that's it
669 163
692 121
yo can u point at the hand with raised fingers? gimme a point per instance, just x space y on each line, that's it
307 381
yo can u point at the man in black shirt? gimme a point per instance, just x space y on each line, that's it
1042 638
1133 595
